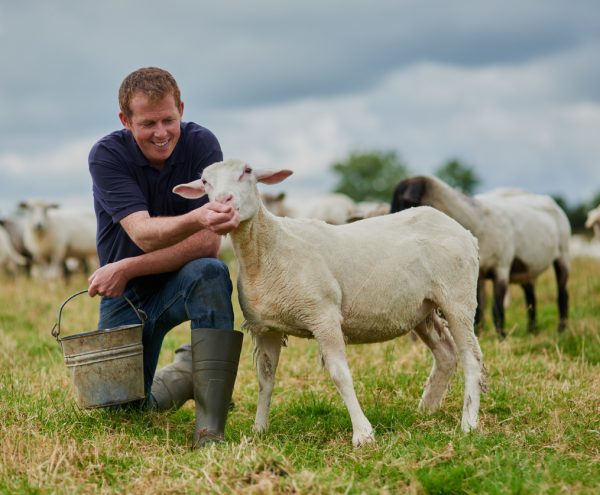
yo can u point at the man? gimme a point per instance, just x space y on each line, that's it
159 250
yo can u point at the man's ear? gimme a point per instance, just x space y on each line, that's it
124 120
191 190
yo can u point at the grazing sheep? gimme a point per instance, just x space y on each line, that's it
520 235
15 227
364 282
276 204
582 247
9 257
54 234
369 209
593 221
333 208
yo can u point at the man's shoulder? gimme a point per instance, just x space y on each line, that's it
196 132
116 141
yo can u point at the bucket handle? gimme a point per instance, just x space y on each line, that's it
56 328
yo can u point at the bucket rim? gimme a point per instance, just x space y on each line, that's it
56 328
101 331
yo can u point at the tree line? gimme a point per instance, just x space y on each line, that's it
373 176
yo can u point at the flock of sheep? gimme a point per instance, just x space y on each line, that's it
346 273
307 278
48 241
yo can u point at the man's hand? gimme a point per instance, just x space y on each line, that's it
221 218
108 280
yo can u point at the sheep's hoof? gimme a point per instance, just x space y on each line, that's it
468 425
259 427
359 439
429 406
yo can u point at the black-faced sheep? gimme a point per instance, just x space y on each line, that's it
520 235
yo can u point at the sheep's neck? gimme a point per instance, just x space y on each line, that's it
464 209
252 239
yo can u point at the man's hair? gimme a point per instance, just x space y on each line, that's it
153 82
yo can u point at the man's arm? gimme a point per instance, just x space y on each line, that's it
152 233
111 279
169 242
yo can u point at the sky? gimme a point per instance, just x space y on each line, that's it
510 88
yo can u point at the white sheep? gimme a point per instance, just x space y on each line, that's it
520 235
53 234
9 257
364 282
592 221
581 246
369 209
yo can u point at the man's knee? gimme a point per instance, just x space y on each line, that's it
208 302
206 270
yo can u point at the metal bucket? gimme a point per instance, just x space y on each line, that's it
106 366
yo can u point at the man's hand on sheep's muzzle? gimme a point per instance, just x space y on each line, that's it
220 218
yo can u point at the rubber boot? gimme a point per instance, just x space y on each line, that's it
215 358
172 386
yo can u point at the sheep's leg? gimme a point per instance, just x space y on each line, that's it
561 271
461 328
481 300
435 335
333 353
267 348
529 291
500 286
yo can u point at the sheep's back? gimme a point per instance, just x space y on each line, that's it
384 273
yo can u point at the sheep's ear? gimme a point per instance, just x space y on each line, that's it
272 176
191 190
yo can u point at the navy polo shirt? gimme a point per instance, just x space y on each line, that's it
124 183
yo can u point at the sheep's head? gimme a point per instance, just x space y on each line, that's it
37 213
232 181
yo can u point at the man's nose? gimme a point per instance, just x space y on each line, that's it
160 130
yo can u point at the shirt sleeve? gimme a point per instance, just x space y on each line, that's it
206 151
115 187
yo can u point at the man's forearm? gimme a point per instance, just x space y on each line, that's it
155 233
203 244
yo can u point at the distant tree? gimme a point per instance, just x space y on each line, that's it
459 175
576 213
370 176
595 201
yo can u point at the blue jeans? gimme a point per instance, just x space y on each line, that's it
199 292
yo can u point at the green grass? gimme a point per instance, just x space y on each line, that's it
540 428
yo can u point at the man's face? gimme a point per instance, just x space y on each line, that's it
155 126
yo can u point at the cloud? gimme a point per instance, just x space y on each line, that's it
509 87
58 174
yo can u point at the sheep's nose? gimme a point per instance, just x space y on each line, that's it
224 197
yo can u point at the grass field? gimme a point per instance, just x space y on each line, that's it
540 420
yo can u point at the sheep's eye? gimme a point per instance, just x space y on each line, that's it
247 171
